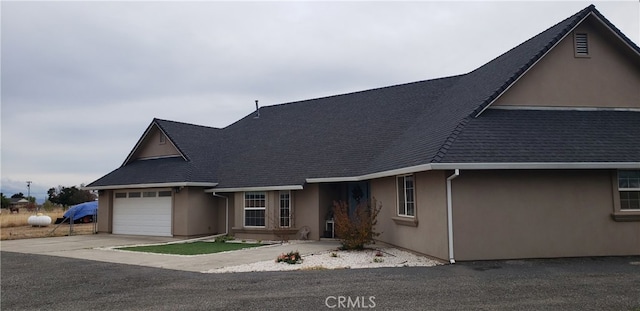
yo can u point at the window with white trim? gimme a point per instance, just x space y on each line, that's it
406 196
255 205
629 189
285 209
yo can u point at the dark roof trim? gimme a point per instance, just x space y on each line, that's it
616 31
144 135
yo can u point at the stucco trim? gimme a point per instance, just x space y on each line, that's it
152 185
626 216
400 171
509 107
480 166
536 165
405 221
265 188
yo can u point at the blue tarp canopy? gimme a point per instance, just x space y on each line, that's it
81 210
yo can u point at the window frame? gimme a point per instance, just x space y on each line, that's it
288 208
254 208
627 189
401 196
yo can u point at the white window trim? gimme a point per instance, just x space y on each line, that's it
404 189
625 190
244 215
290 207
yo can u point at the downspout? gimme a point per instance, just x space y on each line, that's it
226 228
456 173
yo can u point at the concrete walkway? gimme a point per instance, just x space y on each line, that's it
99 247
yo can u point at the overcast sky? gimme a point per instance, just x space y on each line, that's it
81 81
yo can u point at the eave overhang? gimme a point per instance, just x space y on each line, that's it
265 188
483 166
152 185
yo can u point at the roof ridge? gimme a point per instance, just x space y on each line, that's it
451 139
360 91
184 123
574 20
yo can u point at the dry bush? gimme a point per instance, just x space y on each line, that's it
357 229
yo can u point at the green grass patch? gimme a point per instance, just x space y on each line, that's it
193 248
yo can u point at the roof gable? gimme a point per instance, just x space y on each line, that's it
523 57
154 143
607 77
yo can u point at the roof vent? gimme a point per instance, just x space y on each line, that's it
581 44
257 110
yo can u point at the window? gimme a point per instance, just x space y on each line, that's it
120 195
149 194
163 139
406 202
581 44
164 193
285 209
255 204
629 189
134 194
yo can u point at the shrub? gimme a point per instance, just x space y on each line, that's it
223 238
48 206
356 229
290 258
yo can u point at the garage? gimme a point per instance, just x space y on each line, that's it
142 213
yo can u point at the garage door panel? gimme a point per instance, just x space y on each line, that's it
142 216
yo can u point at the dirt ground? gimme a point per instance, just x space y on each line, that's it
29 232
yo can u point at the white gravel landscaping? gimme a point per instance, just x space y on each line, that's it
368 258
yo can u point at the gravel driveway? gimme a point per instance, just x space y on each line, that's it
31 282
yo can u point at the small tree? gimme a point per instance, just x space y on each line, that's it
67 196
357 229
5 201
48 206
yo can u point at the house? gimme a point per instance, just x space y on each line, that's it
15 204
534 154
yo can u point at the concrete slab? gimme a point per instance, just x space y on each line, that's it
99 247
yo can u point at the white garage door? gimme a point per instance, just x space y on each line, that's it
142 213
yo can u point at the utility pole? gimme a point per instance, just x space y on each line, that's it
28 190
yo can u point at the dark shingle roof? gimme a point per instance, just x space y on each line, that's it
434 121
536 136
